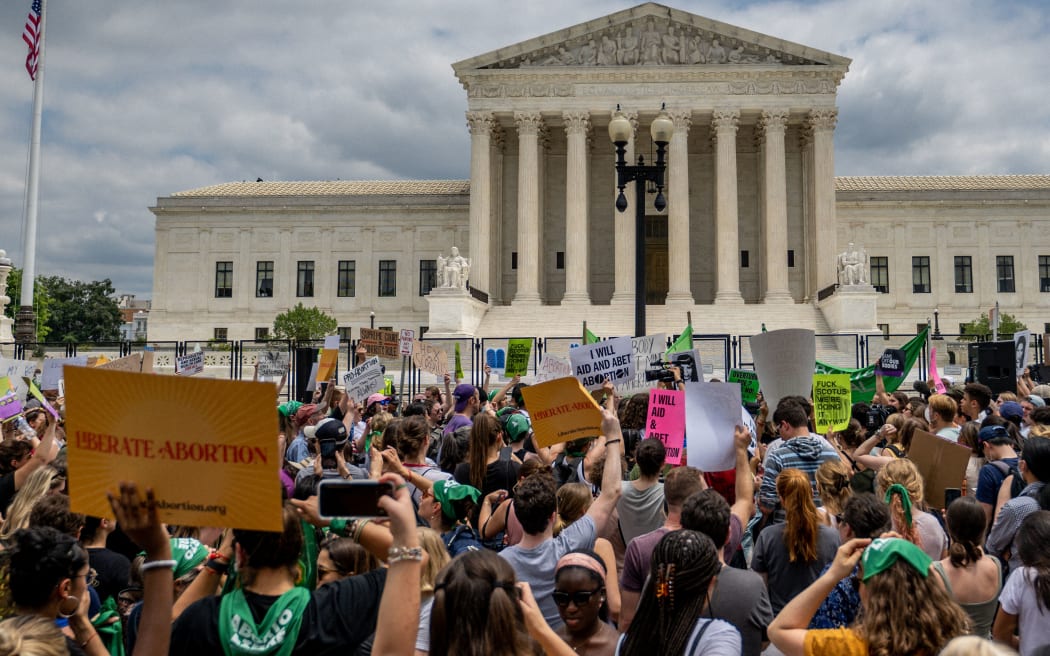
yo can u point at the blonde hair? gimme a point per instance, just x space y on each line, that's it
437 557
573 501
903 472
31 635
833 485
36 487
801 526
971 645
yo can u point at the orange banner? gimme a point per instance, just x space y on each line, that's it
562 410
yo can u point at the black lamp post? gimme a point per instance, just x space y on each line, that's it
371 319
620 132
937 323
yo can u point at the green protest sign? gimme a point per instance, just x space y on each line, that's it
831 402
748 384
518 353
862 380
459 364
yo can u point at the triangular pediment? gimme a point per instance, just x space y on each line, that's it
650 35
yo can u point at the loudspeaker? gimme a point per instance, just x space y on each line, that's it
995 365
304 362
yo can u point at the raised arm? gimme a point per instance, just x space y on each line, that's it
862 453
43 454
744 504
398 621
611 475
881 397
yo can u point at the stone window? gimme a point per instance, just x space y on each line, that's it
387 277
219 334
346 282
262 333
223 279
427 276
1044 273
920 274
304 280
880 274
345 333
1004 273
963 274
745 259
885 328
264 279
791 259
559 260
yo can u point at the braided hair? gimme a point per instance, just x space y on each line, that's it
683 564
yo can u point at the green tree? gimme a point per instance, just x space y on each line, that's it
302 324
82 311
41 303
981 327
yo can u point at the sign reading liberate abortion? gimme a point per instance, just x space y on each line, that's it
561 411
206 447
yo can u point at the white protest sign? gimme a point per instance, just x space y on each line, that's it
712 412
430 358
272 364
52 371
407 336
784 360
647 350
17 371
364 380
190 364
552 367
311 384
332 342
612 359
1022 346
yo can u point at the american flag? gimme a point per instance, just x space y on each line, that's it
31 35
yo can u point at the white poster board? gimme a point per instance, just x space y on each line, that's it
272 364
52 370
1022 347
364 380
712 412
647 350
784 360
551 367
407 337
17 371
189 364
612 359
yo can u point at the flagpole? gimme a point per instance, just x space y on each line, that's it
25 320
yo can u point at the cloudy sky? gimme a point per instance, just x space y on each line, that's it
147 98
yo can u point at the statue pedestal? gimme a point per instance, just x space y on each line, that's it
851 309
6 334
454 313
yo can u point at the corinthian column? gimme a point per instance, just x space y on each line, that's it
577 125
679 289
623 227
481 125
774 218
822 237
726 226
529 124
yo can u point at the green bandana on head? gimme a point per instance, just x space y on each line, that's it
897 488
187 553
883 552
289 408
448 492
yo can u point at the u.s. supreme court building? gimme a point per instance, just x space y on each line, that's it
754 229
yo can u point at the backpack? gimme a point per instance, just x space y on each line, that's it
863 481
1018 483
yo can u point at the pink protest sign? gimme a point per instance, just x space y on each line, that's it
666 421
936 377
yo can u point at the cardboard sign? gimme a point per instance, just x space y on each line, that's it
748 381
612 359
430 358
941 462
712 412
784 361
519 352
938 384
561 410
147 361
273 364
364 380
552 367
891 364
666 421
831 402
209 463
18 371
1022 346
385 343
406 338
189 364
647 350
131 363
52 370
97 361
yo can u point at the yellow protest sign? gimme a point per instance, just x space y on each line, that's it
562 410
326 367
831 402
207 447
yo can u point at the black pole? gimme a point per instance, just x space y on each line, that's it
639 256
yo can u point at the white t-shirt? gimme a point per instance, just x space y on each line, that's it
1018 598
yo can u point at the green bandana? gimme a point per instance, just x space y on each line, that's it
240 635
187 553
448 492
883 552
897 488
289 408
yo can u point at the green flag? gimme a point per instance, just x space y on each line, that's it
589 337
459 364
862 381
684 341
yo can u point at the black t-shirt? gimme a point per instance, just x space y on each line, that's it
339 619
499 475
111 571
7 491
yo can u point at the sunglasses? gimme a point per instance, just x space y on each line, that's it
580 597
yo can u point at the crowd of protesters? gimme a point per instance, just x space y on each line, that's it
492 544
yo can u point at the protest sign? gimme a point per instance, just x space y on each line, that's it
147 360
97 360
712 412
891 364
331 342
519 352
384 343
364 380
458 363
189 364
52 370
209 462
689 364
613 358
647 350
43 401
831 402
326 364
10 404
748 381
311 383
430 358
941 462
666 421
131 362
272 364
405 339
552 367
1022 346
784 361
561 410
938 384
18 371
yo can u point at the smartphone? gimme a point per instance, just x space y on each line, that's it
338 498
951 494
